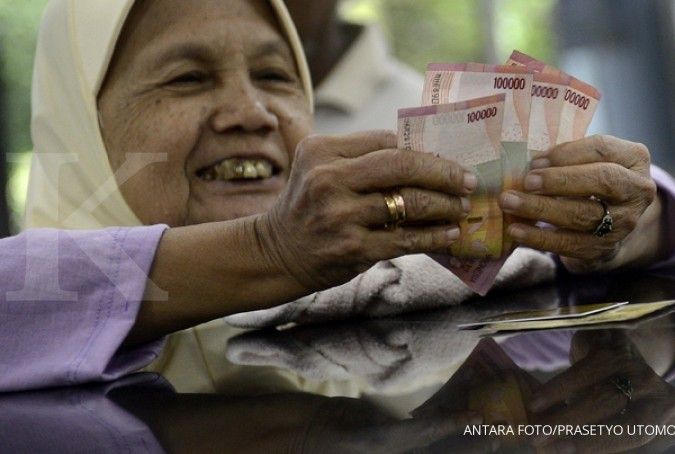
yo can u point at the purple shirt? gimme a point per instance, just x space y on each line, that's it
64 316
666 185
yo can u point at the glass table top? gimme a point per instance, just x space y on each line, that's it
411 383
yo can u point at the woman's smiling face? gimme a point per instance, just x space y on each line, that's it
213 85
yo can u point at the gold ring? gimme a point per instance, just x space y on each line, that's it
400 206
390 202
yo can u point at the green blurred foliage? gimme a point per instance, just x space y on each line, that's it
526 25
435 30
423 31
19 21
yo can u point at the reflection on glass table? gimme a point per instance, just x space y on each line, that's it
416 384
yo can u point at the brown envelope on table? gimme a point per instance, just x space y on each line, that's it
621 314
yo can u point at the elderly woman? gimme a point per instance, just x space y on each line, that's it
165 112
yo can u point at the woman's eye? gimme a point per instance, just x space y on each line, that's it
187 79
272 75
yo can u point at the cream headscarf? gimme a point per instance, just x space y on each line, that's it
71 182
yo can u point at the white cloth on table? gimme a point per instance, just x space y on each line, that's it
405 284
386 355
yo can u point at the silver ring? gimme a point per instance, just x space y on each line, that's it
606 223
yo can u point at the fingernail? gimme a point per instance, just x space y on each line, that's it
453 233
466 204
517 232
510 201
540 163
533 182
470 181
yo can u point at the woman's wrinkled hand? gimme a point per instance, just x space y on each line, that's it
558 191
327 225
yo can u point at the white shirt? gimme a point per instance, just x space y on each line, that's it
366 88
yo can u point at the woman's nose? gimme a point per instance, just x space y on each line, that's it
243 109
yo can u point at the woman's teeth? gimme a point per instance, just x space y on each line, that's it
239 169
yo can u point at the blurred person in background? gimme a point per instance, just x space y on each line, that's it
359 84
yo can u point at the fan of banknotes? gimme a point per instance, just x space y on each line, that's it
493 119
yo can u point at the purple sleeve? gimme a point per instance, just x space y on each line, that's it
78 419
666 188
68 299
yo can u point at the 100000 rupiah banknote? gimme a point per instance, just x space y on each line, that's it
518 58
548 91
449 82
579 104
542 107
578 99
469 133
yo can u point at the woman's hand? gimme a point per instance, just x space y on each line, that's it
325 228
558 191
328 223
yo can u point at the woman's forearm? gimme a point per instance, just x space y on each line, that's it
318 234
206 272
